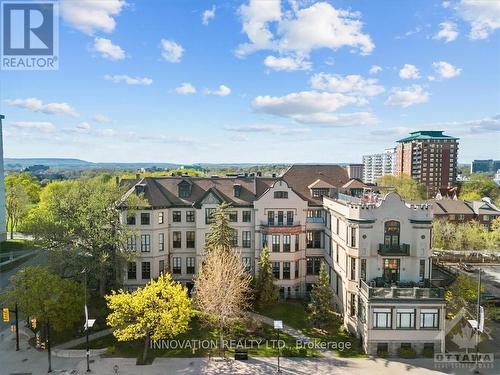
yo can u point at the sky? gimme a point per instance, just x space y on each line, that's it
258 81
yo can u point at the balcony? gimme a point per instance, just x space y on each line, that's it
315 220
398 250
281 227
401 293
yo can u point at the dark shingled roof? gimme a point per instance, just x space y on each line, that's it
299 177
449 206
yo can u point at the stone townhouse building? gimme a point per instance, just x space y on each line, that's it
377 250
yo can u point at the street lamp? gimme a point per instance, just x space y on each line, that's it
278 324
89 323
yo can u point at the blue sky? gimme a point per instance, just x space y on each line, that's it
258 81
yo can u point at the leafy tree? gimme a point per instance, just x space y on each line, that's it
404 185
28 182
266 291
221 233
222 289
462 294
47 297
479 186
160 310
16 206
320 309
465 236
79 221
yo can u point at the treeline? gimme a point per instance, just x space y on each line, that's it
465 236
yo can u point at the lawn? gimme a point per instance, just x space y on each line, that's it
293 314
202 341
16 245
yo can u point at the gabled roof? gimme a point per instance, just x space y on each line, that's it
484 208
354 183
320 184
451 207
212 191
426 134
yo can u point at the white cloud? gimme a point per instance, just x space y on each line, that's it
46 127
100 118
185 89
171 51
431 78
267 128
108 50
223 90
300 30
446 4
407 97
375 69
288 63
37 105
448 32
485 125
208 15
350 84
338 119
90 16
446 70
129 80
83 127
482 15
106 132
409 72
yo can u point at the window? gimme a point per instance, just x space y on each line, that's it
289 218
286 270
270 217
309 265
353 237
161 217
234 239
176 216
486 217
280 194
190 216
363 269
276 269
382 318
184 189
132 243
132 271
405 318
176 240
209 212
353 268
264 240
161 241
246 239
247 263
391 233
337 254
313 264
237 190
131 219
352 303
313 239
337 227
297 269
429 318
161 266
233 216
280 218
297 242
286 243
146 270
276 243
382 347
318 193
145 218
145 243
461 217
176 265
190 236
421 272
190 265
247 216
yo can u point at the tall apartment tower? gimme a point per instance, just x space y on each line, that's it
378 165
3 229
355 171
430 157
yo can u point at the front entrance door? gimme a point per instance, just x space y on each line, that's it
391 270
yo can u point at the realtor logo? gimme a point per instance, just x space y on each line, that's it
29 35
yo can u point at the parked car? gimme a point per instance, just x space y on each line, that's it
467 267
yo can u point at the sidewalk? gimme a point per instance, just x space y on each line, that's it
81 340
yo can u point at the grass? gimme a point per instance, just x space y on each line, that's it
294 314
247 332
16 245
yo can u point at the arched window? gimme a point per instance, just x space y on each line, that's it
391 233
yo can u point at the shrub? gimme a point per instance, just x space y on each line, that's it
428 352
111 349
382 354
407 353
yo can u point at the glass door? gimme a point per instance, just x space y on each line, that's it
391 270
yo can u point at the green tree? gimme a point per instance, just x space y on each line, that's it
479 186
404 185
320 308
16 206
221 234
28 182
44 295
462 294
266 290
79 221
160 310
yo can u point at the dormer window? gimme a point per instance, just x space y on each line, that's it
184 189
281 195
318 193
237 190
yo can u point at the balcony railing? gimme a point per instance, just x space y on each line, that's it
401 293
315 220
276 223
402 249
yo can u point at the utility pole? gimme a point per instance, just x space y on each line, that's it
476 369
48 346
87 321
17 327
